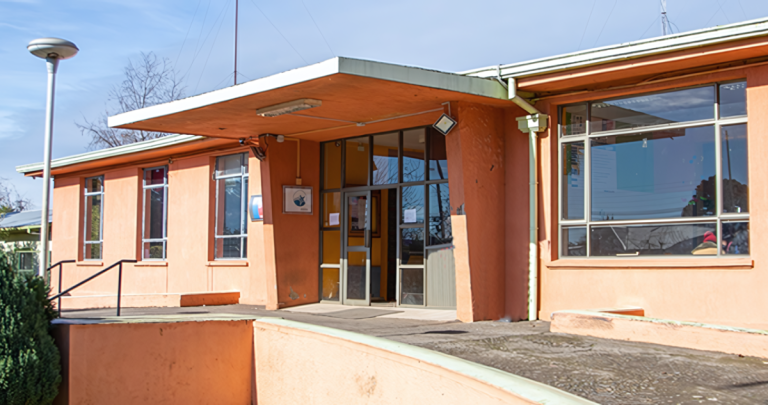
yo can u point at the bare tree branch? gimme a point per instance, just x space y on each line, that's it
148 82
10 200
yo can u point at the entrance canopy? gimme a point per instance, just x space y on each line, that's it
356 97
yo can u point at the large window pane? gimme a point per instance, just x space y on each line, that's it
332 165
357 162
572 194
412 287
660 174
385 165
230 200
330 284
437 156
734 166
647 240
653 109
331 247
356 279
414 142
154 210
331 210
574 242
439 214
229 165
735 238
412 245
93 218
733 99
413 205
574 119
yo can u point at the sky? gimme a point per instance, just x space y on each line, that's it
197 37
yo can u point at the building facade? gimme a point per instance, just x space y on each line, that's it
609 178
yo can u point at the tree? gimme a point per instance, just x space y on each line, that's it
10 200
29 360
147 82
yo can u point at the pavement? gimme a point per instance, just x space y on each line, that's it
602 370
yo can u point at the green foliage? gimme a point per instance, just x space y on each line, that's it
29 360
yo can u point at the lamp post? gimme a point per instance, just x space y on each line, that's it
52 50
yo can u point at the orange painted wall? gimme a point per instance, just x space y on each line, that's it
295 239
173 363
476 166
720 295
189 266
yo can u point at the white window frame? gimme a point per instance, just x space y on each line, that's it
243 236
586 223
87 194
145 188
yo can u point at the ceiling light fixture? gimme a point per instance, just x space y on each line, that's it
289 107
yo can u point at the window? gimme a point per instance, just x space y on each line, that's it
656 174
93 218
231 178
155 195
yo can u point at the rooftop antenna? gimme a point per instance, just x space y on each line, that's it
664 20
236 10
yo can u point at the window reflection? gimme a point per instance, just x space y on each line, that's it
572 193
574 241
438 157
641 240
412 246
385 165
413 205
412 288
660 174
735 238
653 109
439 214
414 141
734 167
574 119
733 99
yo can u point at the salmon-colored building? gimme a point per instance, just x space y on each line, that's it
607 178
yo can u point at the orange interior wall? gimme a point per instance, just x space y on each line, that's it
476 166
728 296
295 240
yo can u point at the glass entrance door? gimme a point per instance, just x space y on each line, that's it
356 259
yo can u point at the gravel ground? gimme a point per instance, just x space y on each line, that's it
602 370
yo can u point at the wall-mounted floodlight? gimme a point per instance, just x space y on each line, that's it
444 124
289 107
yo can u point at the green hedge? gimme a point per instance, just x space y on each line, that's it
29 360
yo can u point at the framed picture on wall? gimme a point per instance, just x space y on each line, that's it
297 200
356 228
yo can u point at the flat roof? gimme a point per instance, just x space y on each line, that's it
628 50
23 219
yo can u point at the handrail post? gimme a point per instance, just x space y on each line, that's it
119 285
59 304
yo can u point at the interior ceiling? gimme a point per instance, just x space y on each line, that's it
345 97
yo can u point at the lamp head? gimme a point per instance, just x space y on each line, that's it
55 48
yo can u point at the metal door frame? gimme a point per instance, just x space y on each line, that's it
365 248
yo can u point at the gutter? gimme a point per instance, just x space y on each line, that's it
531 124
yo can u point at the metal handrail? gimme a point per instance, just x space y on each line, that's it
119 282
59 265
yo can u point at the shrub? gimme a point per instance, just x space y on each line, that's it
29 360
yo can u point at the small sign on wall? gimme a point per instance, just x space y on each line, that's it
297 200
256 208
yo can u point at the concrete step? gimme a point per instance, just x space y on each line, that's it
191 299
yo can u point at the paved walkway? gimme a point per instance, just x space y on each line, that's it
604 371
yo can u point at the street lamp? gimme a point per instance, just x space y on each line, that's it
52 50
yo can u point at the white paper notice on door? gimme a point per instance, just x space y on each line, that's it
409 216
333 219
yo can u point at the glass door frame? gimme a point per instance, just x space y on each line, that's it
346 249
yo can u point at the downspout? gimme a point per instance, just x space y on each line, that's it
531 124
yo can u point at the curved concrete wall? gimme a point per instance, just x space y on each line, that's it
300 363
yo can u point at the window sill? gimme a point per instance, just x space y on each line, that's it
656 263
228 263
150 263
86 263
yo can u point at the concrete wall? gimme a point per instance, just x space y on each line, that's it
234 360
724 291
